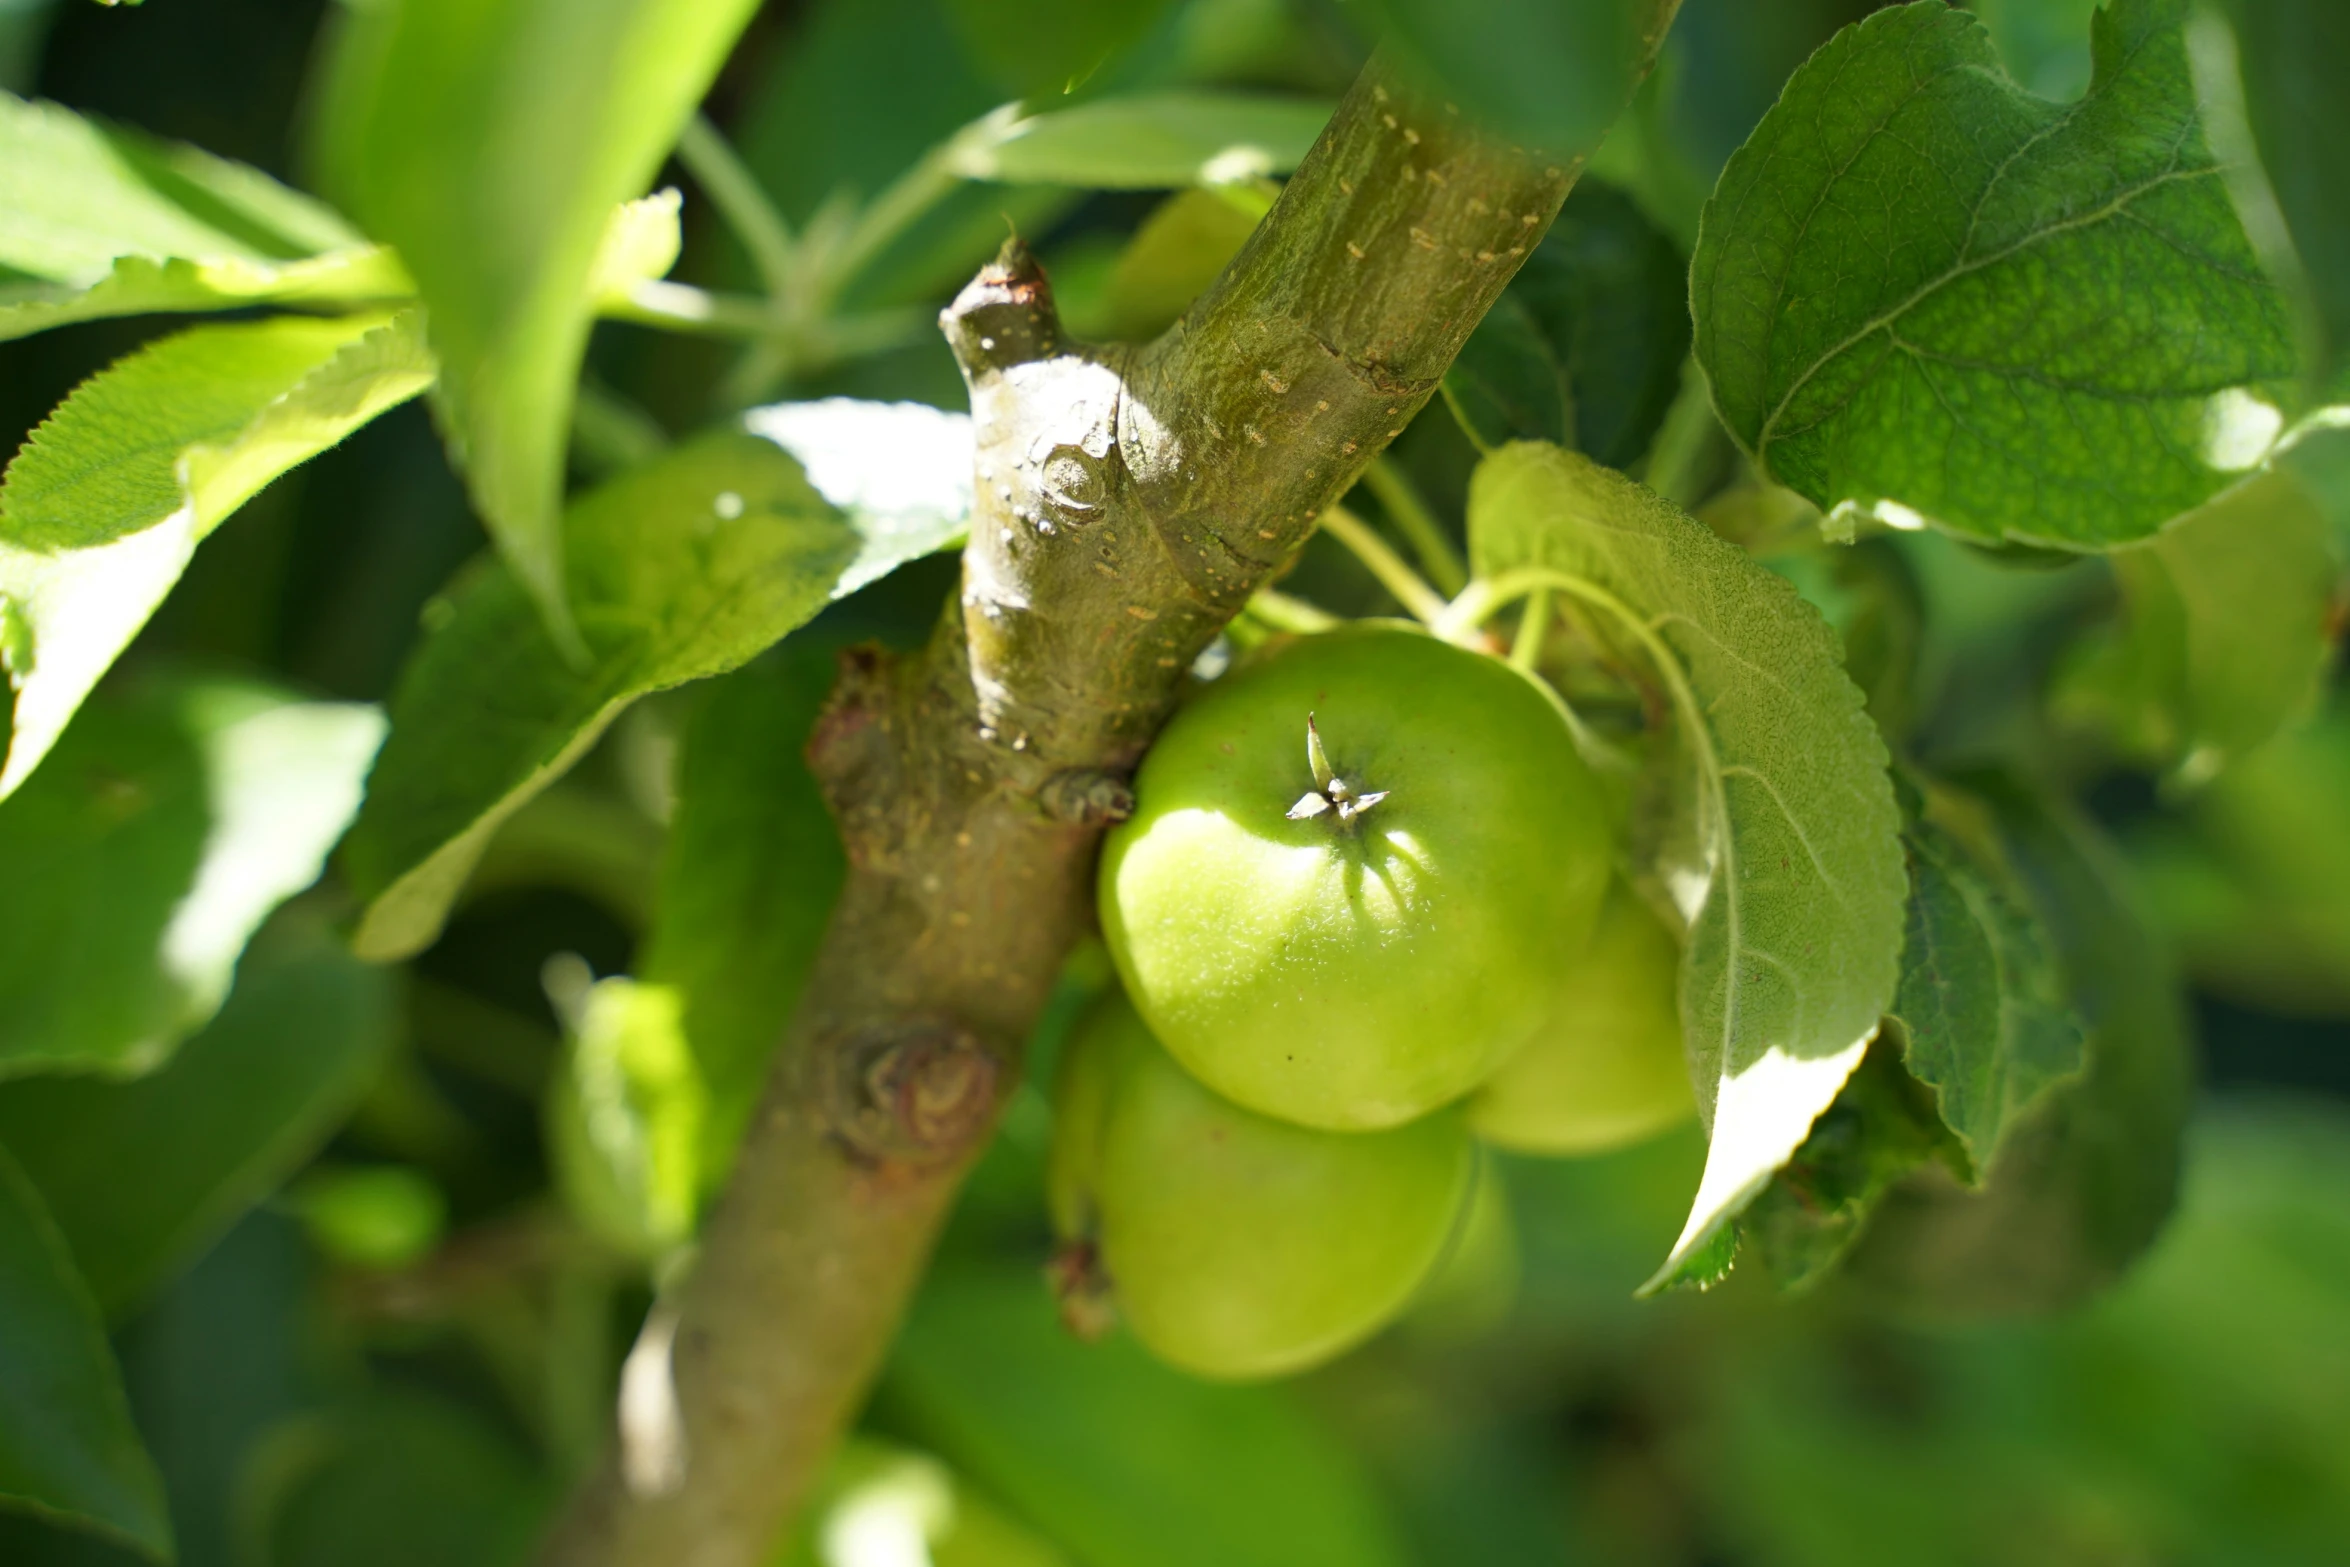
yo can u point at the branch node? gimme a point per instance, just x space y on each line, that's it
1086 797
916 1093
1004 316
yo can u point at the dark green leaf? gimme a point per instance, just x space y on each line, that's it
142 1175
1144 141
99 221
67 1450
2083 1182
105 503
1792 883
1043 47
753 866
1124 1461
1881 1127
682 569
1922 290
2293 54
1554 73
1587 345
489 141
396 1479
140 860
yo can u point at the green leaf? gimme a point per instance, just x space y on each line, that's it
489 141
167 827
100 221
2292 53
1586 346
67 1449
753 867
682 569
1181 248
1881 1127
874 1488
1123 1461
1794 890
2231 612
105 503
625 1120
1144 141
1921 290
1041 48
1982 1005
141 1176
2083 1181
1554 73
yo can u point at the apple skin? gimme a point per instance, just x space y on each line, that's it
1238 1246
1355 975
1608 1068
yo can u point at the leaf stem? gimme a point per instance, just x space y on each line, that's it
681 307
1411 590
1284 612
1533 629
743 203
1404 507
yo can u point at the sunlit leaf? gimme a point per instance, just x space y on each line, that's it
165 829
1921 290
684 568
1144 141
489 141
107 500
100 221
1794 895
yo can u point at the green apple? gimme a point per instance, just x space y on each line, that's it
1351 932
1239 1246
1608 1067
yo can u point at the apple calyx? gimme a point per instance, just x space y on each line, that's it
1331 794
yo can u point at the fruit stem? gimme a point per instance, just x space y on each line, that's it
1411 590
1401 501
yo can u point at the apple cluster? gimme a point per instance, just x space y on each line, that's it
1363 916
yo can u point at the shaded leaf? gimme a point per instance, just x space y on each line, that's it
67 1449
1144 141
1554 73
2292 54
2230 625
1180 249
1586 346
1920 289
1045 47
1881 1127
684 568
100 221
141 1176
1794 900
489 141
107 500
748 883
1124 1461
2082 1183
166 828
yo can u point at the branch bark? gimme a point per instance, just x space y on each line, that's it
1129 502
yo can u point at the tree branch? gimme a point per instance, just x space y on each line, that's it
1129 502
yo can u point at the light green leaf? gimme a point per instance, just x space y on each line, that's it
141 1176
679 570
1180 249
625 1120
2291 53
105 503
876 1490
144 856
1122 1460
1143 141
1794 895
2082 1182
99 221
1921 290
489 141
753 867
67 1448
2231 614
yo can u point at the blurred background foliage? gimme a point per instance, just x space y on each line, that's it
371 1300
